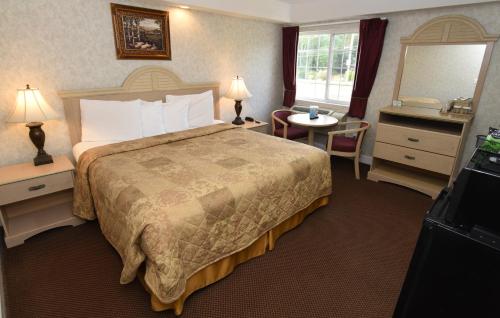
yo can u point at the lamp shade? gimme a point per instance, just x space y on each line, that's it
31 107
238 90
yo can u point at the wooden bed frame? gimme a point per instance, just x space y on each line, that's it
149 83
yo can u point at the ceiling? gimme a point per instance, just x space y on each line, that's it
306 11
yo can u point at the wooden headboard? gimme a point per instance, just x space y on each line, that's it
148 83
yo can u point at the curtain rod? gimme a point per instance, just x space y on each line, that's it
334 23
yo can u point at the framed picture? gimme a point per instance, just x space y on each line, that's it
141 33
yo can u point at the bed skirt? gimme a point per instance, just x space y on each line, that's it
222 268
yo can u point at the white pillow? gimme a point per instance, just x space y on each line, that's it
201 108
175 115
104 120
152 118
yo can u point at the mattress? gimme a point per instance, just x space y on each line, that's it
83 146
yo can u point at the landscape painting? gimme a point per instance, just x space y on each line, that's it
141 33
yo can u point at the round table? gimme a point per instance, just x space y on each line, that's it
304 121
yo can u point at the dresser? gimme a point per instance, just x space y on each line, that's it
418 147
34 199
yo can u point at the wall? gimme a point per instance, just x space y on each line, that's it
444 72
62 45
404 24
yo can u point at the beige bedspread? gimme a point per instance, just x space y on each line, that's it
183 201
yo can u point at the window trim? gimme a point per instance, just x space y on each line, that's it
326 100
335 107
323 102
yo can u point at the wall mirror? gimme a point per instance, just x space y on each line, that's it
441 72
445 59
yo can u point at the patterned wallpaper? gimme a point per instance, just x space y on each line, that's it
69 44
60 45
404 24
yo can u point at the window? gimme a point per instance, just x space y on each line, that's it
326 64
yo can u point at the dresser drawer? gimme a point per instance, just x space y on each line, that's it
436 142
26 189
416 158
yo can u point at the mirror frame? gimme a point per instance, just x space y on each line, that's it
450 29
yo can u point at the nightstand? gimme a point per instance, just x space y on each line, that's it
261 126
34 199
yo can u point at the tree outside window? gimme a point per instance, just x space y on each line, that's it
326 65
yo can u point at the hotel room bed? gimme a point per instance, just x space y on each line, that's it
183 201
183 209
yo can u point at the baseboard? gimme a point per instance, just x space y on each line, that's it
367 160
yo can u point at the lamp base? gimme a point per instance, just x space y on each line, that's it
237 109
238 121
37 136
43 159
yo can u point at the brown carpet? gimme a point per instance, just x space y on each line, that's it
347 259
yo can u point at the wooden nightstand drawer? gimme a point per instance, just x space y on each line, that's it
26 189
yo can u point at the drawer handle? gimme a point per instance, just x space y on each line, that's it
37 187
409 157
413 139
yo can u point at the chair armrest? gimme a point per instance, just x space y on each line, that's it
346 131
344 123
280 121
285 125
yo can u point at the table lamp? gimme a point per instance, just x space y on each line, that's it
32 109
238 91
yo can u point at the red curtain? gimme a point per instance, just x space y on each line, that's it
371 42
290 45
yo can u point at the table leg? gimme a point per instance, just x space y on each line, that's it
310 136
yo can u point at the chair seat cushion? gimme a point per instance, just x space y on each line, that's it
292 132
345 144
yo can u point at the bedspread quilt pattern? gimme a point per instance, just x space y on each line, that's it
182 201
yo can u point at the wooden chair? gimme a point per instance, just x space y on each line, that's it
343 146
282 128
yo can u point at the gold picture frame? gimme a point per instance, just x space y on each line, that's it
141 33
